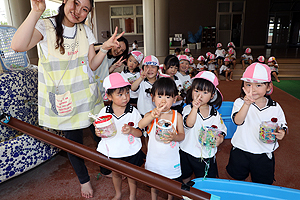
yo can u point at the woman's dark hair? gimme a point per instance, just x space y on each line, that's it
59 28
124 54
204 85
125 88
169 61
164 86
242 93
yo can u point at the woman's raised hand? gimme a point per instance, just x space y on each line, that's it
38 5
112 41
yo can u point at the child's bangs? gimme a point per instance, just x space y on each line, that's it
165 90
203 85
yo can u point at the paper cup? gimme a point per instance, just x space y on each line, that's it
106 126
163 127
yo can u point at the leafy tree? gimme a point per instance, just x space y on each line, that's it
48 13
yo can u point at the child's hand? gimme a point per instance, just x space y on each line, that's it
126 129
156 112
280 134
38 5
171 137
248 99
97 131
112 41
196 102
219 140
144 73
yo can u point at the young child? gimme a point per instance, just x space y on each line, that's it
247 58
274 67
201 65
132 72
126 119
177 51
163 155
204 98
211 64
260 59
249 154
134 45
220 54
187 52
144 82
231 54
225 70
171 64
182 74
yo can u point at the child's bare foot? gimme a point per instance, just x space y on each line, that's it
278 81
227 80
117 197
231 79
87 190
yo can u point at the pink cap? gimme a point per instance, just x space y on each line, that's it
219 45
115 80
187 50
183 57
207 75
248 50
137 55
261 59
230 44
207 54
151 60
201 58
230 51
191 60
212 56
257 73
161 66
271 59
226 60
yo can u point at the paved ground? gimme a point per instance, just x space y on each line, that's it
55 179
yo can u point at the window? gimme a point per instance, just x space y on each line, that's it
127 18
3 18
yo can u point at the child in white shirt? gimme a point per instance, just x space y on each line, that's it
126 119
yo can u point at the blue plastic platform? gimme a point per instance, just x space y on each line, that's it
225 111
231 189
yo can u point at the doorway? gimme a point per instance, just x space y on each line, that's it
230 16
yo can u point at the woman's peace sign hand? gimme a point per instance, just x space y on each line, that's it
112 41
38 5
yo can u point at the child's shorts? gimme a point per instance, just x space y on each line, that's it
260 166
136 159
190 164
224 73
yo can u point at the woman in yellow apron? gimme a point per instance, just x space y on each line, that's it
67 89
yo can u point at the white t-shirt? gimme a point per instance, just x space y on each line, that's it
131 77
201 67
121 145
144 103
185 80
247 57
246 136
191 144
68 32
179 87
220 53
223 68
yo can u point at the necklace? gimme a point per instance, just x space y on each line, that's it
166 111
